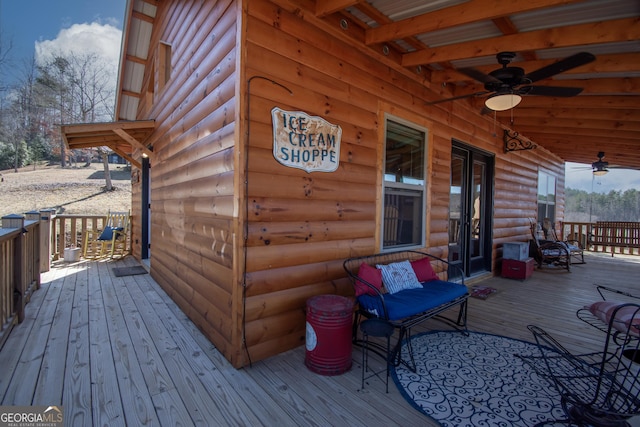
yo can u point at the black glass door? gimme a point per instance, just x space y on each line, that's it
470 209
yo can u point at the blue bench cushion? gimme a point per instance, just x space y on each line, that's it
410 302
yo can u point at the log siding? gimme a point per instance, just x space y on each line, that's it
240 251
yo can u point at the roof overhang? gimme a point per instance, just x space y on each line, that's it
127 138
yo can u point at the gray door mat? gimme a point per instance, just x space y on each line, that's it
128 271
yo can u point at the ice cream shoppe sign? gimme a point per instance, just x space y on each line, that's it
305 142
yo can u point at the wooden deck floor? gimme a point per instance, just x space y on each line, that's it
116 351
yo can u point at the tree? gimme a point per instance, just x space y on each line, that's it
581 206
54 79
80 89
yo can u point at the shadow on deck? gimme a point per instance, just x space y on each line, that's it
117 351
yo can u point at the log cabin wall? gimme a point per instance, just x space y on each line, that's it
303 225
193 201
231 63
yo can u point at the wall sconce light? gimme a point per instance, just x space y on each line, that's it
502 101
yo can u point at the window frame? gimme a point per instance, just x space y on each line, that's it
547 176
398 188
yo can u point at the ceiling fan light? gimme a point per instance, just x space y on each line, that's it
502 101
600 171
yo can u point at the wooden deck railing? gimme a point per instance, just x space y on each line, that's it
69 231
28 244
19 268
615 237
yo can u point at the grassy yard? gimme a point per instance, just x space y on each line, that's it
77 190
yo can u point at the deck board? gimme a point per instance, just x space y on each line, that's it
118 351
76 394
50 379
136 400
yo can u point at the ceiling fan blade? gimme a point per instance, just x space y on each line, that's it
561 66
623 167
478 75
469 95
557 91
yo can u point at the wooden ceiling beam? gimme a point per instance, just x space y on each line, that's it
382 19
595 86
557 129
615 63
582 113
135 144
616 30
584 150
327 7
580 101
542 122
466 13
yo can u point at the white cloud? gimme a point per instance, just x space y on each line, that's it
94 38
100 42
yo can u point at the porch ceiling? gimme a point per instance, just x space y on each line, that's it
442 36
123 137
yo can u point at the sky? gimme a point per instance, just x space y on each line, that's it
37 27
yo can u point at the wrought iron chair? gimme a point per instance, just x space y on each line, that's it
111 240
596 389
597 314
549 253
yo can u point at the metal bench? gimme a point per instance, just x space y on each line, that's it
408 308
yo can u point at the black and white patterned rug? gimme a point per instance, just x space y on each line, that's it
476 380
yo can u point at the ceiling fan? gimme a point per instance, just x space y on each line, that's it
601 167
506 86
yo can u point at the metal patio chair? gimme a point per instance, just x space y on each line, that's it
596 389
598 313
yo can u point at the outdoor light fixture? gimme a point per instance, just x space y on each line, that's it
502 101
600 171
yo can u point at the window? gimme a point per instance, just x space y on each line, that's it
546 198
164 63
404 186
160 72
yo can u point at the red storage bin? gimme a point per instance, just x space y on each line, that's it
514 269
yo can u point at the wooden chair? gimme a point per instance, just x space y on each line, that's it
111 240
548 252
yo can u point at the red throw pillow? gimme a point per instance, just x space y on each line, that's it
372 275
424 271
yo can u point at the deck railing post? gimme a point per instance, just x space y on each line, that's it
17 221
46 217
